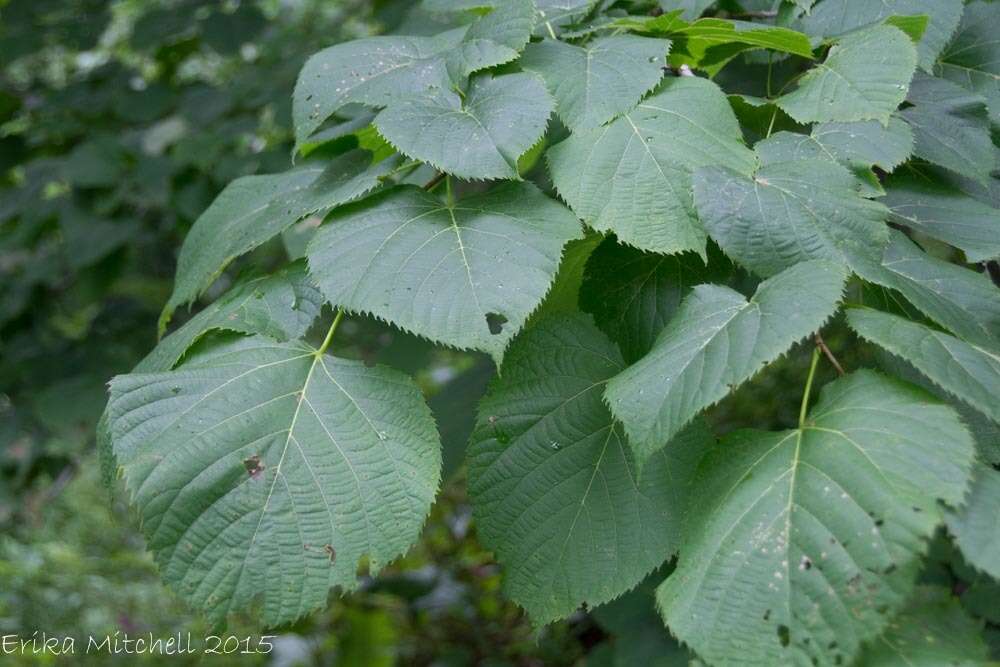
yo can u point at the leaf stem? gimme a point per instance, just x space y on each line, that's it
808 390
433 183
329 334
552 33
821 344
449 196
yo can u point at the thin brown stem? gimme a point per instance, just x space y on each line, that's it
434 182
821 344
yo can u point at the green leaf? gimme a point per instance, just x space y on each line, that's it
691 9
833 18
801 544
564 297
965 370
632 176
387 70
932 630
281 306
715 342
972 60
633 294
597 83
976 525
712 42
864 77
557 13
914 26
790 212
951 127
264 472
467 274
964 301
555 492
479 137
930 206
254 209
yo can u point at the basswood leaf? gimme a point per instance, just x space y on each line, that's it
386 70
951 127
789 212
254 209
976 524
932 630
833 18
716 341
709 44
931 206
281 306
691 9
632 176
479 137
553 14
801 544
972 60
964 301
633 294
564 297
596 83
864 77
965 370
264 472
467 274
556 494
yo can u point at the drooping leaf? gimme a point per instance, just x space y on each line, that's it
386 70
789 212
972 60
263 472
801 544
480 137
933 207
467 275
964 301
715 342
281 306
709 44
976 524
598 82
632 176
965 370
633 294
864 77
254 209
833 18
951 127
555 491
932 630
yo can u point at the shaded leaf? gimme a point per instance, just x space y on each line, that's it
972 60
976 524
715 342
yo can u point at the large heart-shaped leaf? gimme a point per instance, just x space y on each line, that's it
556 492
801 544
264 472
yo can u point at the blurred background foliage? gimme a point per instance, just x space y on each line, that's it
120 120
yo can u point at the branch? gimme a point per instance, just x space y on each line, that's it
821 344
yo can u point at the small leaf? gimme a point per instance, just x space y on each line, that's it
254 463
595 84
834 18
715 342
965 370
254 209
958 299
930 205
972 60
932 630
790 212
481 137
453 273
951 127
554 489
632 176
864 77
801 544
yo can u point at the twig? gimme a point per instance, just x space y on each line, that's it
755 15
433 183
821 344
